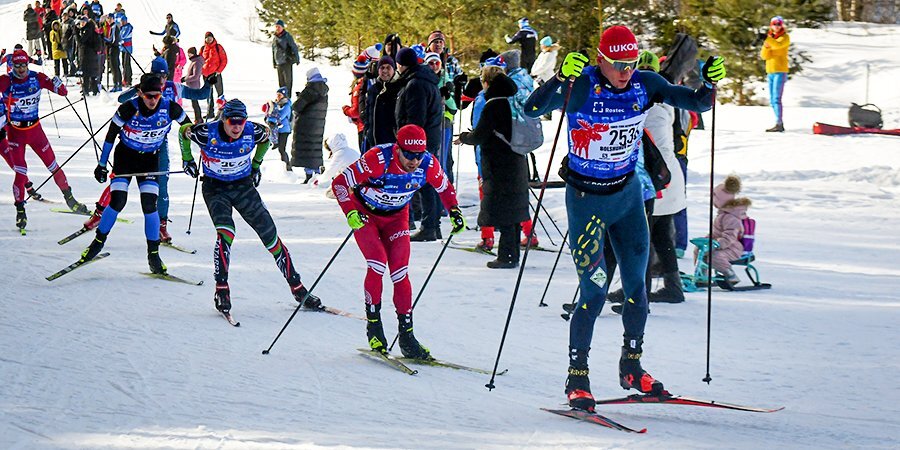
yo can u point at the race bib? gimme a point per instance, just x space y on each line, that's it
385 199
147 137
614 142
226 167
28 104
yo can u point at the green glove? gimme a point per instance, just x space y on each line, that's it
714 69
573 65
356 220
458 221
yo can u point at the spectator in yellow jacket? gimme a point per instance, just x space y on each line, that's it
775 53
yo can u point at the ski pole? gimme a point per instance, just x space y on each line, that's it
553 270
548 214
422 289
53 172
193 202
50 97
512 303
541 224
567 315
60 109
148 174
300 305
712 167
136 63
88 129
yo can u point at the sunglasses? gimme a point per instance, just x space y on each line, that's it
412 156
19 66
434 63
235 120
155 96
621 65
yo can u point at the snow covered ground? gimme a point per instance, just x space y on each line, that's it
107 358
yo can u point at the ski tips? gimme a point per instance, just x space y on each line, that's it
265 352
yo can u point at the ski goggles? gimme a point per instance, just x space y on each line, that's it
152 95
20 65
412 156
620 65
235 120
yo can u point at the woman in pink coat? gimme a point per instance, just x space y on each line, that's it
180 61
728 228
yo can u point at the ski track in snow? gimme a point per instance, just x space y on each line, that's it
107 358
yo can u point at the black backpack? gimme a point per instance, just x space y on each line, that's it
655 164
865 116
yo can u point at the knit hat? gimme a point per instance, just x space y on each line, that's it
618 43
547 41
523 22
431 56
411 138
360 65
726 191
496 61
159 65
279 23
20 57
314 75
512 58
407 57
420 52
373 52
234 108
387 60
283 91
777 20
150 83
648 61
209 34
487 54
436 35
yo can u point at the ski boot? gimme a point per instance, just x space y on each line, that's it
374 329
95 247
21 219
486 245
164 235
578 386
222 298
312 302
534 242
94 220
631 374
73 204
409 345
29 188
156 264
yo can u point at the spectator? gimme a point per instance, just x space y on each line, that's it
340 156
194 79
284 55
214 61
112 38
775 53
525 84
56 6
89 47
58 50
47 26
527 38
96 10
170 29
68 39
310 110
381 102
278 117
392 45
169 53
180 61
419 103
504 172
32 29
126 30
544 67
355 110
728 227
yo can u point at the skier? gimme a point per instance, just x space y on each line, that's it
16 161
606 113
231 175
141 125
22 92
374 193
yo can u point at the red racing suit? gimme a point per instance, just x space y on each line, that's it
377 186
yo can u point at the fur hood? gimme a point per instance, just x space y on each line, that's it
726 191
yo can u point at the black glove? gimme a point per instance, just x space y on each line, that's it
100 173
213 78
255 175
190 168
460 80
446 91
457 220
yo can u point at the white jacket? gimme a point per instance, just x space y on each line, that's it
342 155
544 67
659 122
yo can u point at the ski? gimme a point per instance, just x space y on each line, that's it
227 316
336 312
472 249
546 249
69 211
74 235
450 365
167 277
387 359
594 418
667 398
76 265
178 247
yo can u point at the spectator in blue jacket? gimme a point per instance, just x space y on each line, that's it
171 28
125 46
279 117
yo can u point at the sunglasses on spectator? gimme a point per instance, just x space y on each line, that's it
620 65
412 155
434 63
235 120
152 96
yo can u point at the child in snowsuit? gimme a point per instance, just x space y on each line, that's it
728 227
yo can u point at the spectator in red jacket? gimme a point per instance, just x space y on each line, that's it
214 61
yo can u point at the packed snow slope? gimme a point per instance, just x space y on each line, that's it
106 358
